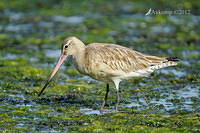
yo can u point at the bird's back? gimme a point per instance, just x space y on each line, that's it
105 61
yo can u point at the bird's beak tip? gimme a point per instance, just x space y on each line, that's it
60 61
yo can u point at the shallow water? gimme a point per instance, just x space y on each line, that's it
88 111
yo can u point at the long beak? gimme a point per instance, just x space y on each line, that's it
60 61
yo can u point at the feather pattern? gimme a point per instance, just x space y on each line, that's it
105 61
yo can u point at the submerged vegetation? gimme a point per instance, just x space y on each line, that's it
30 40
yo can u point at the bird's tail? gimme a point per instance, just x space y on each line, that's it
175 59
169 61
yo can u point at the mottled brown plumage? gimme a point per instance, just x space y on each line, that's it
110 62
104 61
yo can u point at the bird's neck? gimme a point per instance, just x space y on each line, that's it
79 59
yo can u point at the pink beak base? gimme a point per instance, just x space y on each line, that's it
60 61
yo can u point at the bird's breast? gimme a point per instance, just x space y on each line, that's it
93 69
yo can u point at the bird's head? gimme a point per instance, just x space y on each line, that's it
70 46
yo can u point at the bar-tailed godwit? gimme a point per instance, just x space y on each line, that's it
109 63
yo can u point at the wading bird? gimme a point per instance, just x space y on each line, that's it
109 63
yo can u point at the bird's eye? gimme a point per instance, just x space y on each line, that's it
66 46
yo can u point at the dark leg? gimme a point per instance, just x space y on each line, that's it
117 100
105 99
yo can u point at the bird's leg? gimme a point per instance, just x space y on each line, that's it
117 100
116 82
105 99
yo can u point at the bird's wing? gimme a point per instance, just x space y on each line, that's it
119 58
